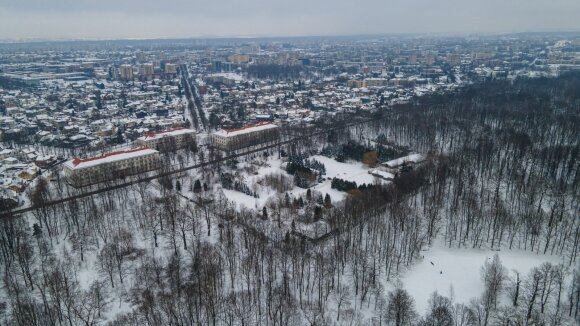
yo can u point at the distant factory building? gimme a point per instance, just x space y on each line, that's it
234 139
84 172
169 140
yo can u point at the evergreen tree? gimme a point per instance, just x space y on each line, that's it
124 101
197 186
98 101
36 230
317 212
120 138
327 201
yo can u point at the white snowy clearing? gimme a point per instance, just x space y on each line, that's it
349 171
241 199
461 268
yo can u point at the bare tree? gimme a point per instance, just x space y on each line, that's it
401 307
106 260
342 295
493 275
91 304
440 313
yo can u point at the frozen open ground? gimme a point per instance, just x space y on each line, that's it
350 171
461 268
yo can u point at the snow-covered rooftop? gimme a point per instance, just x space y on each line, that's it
247 129
168 133
383 174
413 158
78 163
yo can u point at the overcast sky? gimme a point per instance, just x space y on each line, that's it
113 19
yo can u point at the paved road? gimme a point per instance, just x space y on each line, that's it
194 105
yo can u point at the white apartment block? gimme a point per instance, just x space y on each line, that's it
84 172
169 140
234 139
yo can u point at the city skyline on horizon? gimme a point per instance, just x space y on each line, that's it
132 19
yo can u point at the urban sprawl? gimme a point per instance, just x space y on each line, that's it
88 115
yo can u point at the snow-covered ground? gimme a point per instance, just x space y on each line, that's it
461 268
325 188
242 200
350 171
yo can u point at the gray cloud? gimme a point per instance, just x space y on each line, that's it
185 18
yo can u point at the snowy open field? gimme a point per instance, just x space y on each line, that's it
461 268
242 200
349 171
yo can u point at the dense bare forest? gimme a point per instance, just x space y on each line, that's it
502 173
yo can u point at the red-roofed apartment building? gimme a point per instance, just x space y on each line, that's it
234 139
84 172
169 140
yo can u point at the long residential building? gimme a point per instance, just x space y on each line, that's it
234 139
169 140
84 172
